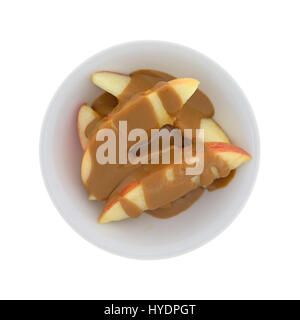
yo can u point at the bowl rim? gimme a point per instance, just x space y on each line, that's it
192 246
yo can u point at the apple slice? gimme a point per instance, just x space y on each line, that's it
86 115
134 192
112 82
148 110
156 107
116 83
113 212
232 155
212 131
86 165
182 88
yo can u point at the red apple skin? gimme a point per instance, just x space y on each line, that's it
108 206
78 129
123 192
225 147
129 187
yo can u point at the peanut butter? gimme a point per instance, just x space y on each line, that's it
107 180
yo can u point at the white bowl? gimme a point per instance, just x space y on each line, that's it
146 237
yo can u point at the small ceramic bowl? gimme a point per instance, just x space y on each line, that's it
146 237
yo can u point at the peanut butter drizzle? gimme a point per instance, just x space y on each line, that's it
92 128
164 204
221 182
157 189
139 113
197 107
142 80
175 207
160 191
130 207
105 103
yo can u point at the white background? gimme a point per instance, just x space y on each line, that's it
257 42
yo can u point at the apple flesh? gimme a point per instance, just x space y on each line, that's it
212 131
85 116
112 82
232 155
